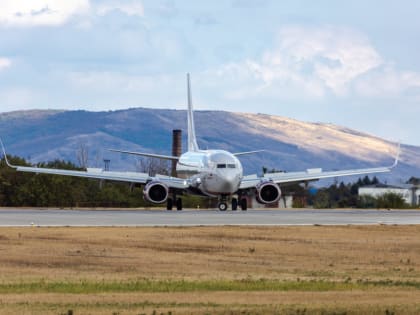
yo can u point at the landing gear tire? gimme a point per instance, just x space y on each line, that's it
244 204
222 206
234 204
169 204
179 204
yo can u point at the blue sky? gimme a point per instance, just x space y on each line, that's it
351 63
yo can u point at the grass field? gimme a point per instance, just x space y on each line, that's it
210 270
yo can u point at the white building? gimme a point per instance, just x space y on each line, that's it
411 194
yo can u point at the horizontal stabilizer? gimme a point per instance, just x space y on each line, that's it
152 155
247 152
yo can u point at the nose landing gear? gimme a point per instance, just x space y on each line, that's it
242 202
222 206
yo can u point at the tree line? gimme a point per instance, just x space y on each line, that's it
19 189
346 196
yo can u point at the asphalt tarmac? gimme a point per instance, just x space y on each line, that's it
56 217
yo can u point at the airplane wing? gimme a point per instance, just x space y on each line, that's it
310 175
97 173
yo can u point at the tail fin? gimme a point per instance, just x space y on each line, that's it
192 141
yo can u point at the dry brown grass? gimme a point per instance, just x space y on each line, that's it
342 254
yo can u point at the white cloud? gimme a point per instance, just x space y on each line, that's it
337 56
13 98
117 81
387 82
5 63
317 62
317 59
114 89
26 13
131 8
40 12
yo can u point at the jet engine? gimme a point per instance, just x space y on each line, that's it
268 192
156 192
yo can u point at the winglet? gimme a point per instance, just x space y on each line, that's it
5 155
397 157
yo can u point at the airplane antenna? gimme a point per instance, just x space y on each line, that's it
192 141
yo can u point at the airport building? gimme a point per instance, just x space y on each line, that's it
410 193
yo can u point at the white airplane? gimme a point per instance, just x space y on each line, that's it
214 173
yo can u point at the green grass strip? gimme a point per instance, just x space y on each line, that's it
190 286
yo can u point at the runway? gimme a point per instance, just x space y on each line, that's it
55 217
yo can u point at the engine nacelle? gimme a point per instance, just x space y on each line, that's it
156 192
268 192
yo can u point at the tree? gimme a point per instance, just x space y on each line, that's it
414 181
367 202
322 199
153 166
82 155
391 200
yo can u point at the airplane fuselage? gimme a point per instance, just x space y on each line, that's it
212 172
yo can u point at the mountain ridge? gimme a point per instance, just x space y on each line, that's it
42 135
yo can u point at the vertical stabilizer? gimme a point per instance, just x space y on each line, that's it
192 141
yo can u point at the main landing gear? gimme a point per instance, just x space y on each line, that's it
234 204
243 203
170 203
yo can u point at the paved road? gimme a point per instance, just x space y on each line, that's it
39 217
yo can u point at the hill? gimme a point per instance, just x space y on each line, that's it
44 135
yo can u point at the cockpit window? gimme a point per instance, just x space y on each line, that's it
226 166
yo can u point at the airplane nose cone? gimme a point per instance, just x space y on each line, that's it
229 183
222 183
